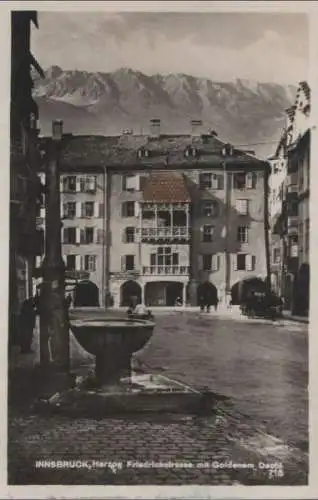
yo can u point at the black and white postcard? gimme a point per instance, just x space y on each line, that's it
157 256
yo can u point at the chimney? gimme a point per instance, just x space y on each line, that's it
196 128
155 127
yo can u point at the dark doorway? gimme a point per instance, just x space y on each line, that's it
128 290
301 303
207 293
243 289
163 293
86 294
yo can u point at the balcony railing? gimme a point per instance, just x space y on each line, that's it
165 270
174 232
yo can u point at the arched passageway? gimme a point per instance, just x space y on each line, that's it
86 294
241 290
128 290
207 293
163 293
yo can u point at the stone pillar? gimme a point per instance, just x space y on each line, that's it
184 294
193 286
142 285
53 313
156 215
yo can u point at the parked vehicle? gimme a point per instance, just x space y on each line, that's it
262 304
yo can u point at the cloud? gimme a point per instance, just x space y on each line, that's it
106 42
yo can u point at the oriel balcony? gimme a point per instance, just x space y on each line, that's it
164 222
162 270
165 233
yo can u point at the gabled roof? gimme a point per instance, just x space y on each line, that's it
166 187
121 152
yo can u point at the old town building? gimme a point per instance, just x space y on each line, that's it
290 228
159 216
25 190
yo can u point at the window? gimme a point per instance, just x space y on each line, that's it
71 262
207 262
128 263
69 210
276 255
210 208
143 153
88 184
191 151
69 183
293 208
239 180
210 262
208 233
293 246
164 257
244 262
129 234
243 180
242 234
242 206
130 182
210 181
88 209
87 235
69 235
90 263
128 209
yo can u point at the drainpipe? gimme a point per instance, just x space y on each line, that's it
106 240
227 150
107 234
266 228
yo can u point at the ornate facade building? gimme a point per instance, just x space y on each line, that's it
160 216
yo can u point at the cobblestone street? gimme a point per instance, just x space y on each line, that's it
260 367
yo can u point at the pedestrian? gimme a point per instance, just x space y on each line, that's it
27 318
201 303
69 301
178 302
216 302
208 305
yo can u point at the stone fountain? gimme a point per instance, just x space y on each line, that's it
114 387
112 341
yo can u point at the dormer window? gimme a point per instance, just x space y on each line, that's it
143 153
227 150
191 151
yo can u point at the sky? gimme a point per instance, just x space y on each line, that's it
269 47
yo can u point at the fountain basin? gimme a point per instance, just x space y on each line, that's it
111 340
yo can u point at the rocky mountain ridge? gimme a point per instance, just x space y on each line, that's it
242 112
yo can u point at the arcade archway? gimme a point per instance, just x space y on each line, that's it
86 294
128 290
207 293
163 293
242 289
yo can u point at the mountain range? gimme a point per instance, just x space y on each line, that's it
247 114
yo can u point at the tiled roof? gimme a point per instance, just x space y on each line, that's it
166 187
165 150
